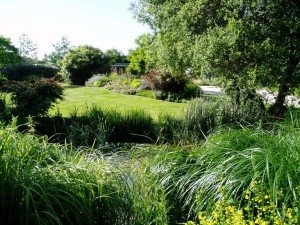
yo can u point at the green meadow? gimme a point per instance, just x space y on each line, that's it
78 98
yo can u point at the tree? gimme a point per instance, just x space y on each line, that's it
247 42
8 53
28 49
139 58
114 56
82 62
60 50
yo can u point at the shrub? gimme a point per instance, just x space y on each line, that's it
171 88
152 79
191 90
5 112
259 208
170 83
2 78
102 82
135 83
146 93
81 63
98 80
21 72
168 96
125 84
113 76
33 97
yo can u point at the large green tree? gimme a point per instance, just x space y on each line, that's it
8 53
81 63
249 42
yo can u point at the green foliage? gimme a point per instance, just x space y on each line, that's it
172 88
113 56
247 42
98 80
102 82
98 126
236 176
125 84
34 97
228 164
8 53
139 58
81 63
43 183
5 111
135 83
146 93
113 76
3 78
170 83
191 90
258 208
209 81
61 49
21 72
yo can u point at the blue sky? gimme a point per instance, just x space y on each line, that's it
101 23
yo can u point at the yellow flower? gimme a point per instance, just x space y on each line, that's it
267 196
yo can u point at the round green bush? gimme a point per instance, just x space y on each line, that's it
81 63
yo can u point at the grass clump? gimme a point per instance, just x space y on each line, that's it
98 126
44 183
248 171
228 164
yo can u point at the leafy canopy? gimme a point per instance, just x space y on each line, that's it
81 63
8 53
139 57
248 42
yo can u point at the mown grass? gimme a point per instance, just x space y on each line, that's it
79 98
96 125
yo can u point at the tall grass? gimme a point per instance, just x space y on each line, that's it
44 183
228 164
97 126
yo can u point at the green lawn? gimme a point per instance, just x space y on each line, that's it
82 97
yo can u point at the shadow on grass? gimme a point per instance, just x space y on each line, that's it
72 86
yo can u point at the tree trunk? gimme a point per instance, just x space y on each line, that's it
278 109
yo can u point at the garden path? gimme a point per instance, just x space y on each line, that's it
268 96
